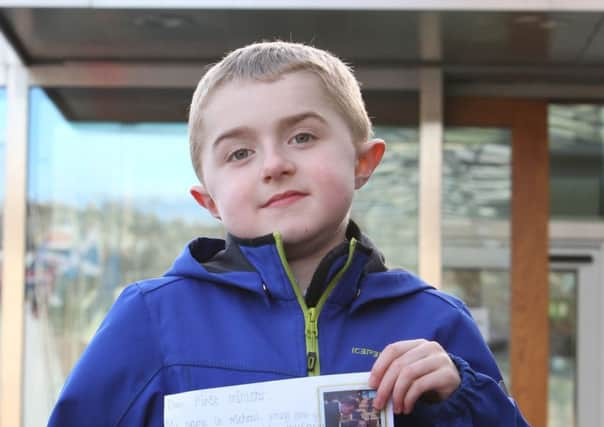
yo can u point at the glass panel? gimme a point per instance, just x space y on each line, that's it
576 141
386 207
563 349
476 229
485 292
108 204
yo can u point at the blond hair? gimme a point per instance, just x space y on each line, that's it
267 61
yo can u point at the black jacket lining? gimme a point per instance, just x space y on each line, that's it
320 278
226 260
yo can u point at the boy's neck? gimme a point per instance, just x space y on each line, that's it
303 261
304 269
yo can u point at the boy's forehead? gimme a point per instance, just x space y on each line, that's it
247 102
294 82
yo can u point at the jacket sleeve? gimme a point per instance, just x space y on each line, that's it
481 399
109 384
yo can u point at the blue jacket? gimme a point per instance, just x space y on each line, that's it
229 313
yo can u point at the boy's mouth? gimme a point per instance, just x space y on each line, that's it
283 199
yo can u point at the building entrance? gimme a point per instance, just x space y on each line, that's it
517 228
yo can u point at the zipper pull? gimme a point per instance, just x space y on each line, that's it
312 334
311 361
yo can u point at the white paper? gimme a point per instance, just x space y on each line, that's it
301 402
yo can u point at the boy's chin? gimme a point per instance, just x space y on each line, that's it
307 242
297 236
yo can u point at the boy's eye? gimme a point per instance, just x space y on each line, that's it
239 154
303 138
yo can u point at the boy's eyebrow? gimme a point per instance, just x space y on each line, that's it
297 118
283 123
232 133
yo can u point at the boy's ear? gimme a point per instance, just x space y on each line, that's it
203 198
369 157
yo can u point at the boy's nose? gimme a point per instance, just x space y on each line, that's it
277 165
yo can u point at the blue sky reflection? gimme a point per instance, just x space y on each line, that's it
80 163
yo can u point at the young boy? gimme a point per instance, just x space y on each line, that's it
280 140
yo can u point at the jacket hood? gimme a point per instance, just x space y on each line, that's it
258 265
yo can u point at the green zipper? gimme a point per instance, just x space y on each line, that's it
312 339
311 315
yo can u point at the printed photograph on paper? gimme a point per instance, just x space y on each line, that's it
349 406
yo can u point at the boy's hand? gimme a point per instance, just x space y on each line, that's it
406 370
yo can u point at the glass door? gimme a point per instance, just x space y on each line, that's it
575 357
575 325
562 387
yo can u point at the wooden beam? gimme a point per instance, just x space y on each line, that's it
529 351
430 180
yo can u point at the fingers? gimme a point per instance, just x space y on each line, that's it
386 358
407 369
413 381
439 379
397 360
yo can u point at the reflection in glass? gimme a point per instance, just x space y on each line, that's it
476 229
563 349
108 204
476 175
386 207
576 147
486 292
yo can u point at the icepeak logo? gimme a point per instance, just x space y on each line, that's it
365 352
